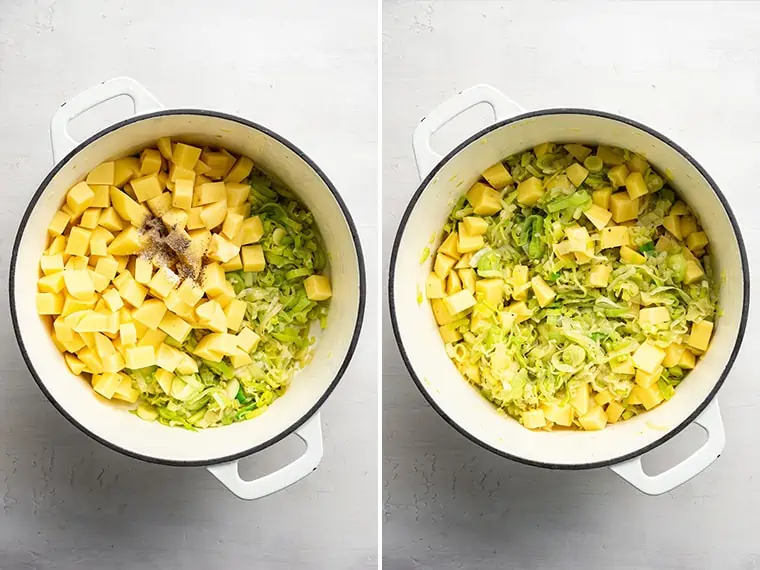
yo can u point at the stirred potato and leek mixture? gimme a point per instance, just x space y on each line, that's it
572 287
184 281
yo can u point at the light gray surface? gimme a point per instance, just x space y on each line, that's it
307 72
689 70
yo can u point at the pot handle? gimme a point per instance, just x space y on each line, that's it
501 105
692 466
142 101
310 433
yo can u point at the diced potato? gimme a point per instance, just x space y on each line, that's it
497 176
99 241
628 255
147 187
51 263
150 313
688 227
79 198
442 315
468 278
623 366
107 267
450 246
247 339
529 191
673 355
190 293
58 245
598 216
673 225
175 327
253 258
700 335
443 264
576 173
602 398
623 208
140 357
601 197
579 153
491 290
615 236
235 312
160 204
449 334
434 287
213 280
618 175
52 283
185 156
78 242
102 197
653 316
580 398
234 264
696 241
233 224
49 303
133 293
485 200
533 419
237 194
543 292
520 310
460 301
128 242
211 315
221 249
59 223
317 287
453 283
213 215
614 411
77 262
599 275
127 208
210 192
609 156
688 360
560 414
467 243
694 272
79 284
635 185
649 397
240 170
475 226
110 220
163 282
595 419
125 169
252 230
648 357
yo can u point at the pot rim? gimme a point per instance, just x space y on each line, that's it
631 123
359 316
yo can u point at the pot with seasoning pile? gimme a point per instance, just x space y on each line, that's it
569 289
187 287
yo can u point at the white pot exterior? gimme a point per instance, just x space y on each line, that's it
417 333
122 430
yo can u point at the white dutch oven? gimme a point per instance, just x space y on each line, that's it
220 448
619 446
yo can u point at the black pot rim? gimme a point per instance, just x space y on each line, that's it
359 258
745 301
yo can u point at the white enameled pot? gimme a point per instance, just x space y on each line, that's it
297 411
619 446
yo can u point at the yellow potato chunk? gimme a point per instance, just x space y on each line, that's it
107 267
434 287
185 156
240 170
604 397
79 198
104 173
442 315
615 236
133 293
700 335
673 225
628 255
102 197
622 366
498 176
175 327
237 194
529 192
221 249
163 282
649 397
693 272
252 230
99 241
150 313
147 187
475 226
614 411
520 310
106 384
576 173
485 200
58 245
543 292
490 290
460 301
78 242
618 175
128 242
623 208
599 275
533 419
450 246
150 161
560 414
247 339
213 215
52 283
213 280
79 284
449 334
645 380
601 197
160 204
211 316
635 185
125 169
467 243
648 357
189 292
210 192
317 287
696 241
598 216
110 220
673 355
593 420
579 153
183 194
688 227
59 223
49 303
253 258
233 223
235 312
580 398
138 357
127 208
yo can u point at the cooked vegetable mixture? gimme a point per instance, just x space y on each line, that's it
573 288
184 281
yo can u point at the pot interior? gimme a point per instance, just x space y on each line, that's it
116 426
423 348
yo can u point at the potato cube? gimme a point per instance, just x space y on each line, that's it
434 287
210 192
578 152
247 339
618 175
628 255
673 225
623 208
150 161
140 357
653 316
110 220
104 173
609 156
442 315
125 169
614 411
604 397
147 187
453 283
221 249
133 293
214 214
211 316
599 275
649 397
443 264
533 419
580 398
128 242
673 355
98 281
576 173
79 284
622 366
128 333
490 290
190 293
520 310
601 197
648 357
460 301
107 267
112 299
234 264
185 156
615 236
77 262
645 380
688 227
78 242
317 287
593 420
168 358
213 280
75 365
543 292
183 194
237 194
49 303
59 223
58 245
163 282
240 170
253 258
598 216
175 327
127 208
474 226
235 312
484 199
635 185
91 322
449 246
468 278
150 313
125 391
252 230
498 176
102 197
693 272
449 334
560 414
52 283
79 198
700 335
529 191
467 243
696 241
106 384
160 204
73 305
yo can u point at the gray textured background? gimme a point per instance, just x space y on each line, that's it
309 73
688 69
